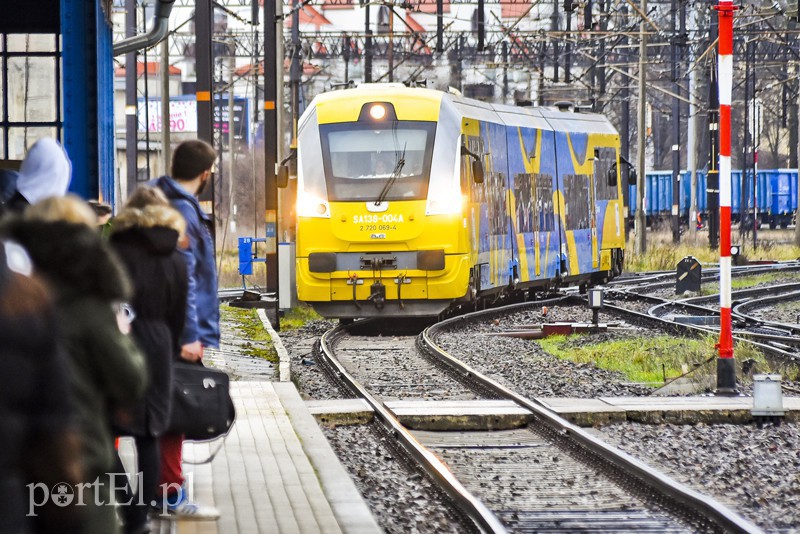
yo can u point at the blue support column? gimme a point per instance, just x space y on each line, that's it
87 86
106 138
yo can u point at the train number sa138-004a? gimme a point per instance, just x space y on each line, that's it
385 218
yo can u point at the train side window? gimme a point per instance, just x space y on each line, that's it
474 144
544 220
577 214
524 202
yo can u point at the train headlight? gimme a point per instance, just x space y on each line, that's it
309 205
377 112
445 205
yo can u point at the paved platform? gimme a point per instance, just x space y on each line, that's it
275 473
657 410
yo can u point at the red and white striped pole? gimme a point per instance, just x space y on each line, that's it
726 365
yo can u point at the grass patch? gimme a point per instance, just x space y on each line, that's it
643 360
298 316
257 342
663 255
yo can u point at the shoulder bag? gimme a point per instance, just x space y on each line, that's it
202 408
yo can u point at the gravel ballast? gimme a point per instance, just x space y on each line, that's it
755 471
401 500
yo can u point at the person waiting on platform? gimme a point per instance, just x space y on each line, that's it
45 172
104 367
145 235
192 167
38 444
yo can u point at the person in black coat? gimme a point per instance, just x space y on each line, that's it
105 369
38 442
145 236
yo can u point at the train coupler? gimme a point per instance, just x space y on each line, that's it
377 294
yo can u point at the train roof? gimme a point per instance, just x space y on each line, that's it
348 102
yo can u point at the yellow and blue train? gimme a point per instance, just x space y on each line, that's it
411 201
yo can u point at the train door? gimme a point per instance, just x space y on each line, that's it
489 206
551 242
522 166
575 175
503 268
609 221
532 167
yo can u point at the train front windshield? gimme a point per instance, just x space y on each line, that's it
366 163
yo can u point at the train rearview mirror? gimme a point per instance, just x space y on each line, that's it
282 179
632 176
477 171
611 176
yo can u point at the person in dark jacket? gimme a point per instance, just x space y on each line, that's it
192 164
38 443
105 369
145 235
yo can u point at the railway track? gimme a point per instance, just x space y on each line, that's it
545 475
644 283
778 340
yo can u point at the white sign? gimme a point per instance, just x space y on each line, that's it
755 110
182 116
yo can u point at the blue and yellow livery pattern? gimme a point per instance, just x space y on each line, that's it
548 211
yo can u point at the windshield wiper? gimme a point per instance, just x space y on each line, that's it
398 168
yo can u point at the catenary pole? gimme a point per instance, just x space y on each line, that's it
726 365
165 116
712 177
691 135
625 136
640 222
131 103
676 125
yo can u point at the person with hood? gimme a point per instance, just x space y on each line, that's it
192 166
145 235
104 368
45 172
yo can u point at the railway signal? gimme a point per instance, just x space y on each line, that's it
726 365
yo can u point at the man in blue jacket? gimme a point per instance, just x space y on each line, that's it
192 165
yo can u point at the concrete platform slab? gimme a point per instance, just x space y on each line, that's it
585 412
658 410
460 414
341 411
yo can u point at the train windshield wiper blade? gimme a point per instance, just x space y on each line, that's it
398 168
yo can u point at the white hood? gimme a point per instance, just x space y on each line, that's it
45 172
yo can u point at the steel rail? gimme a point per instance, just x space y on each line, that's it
780 333
746 293
777 353
703 506
627 284
739 309
484 518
